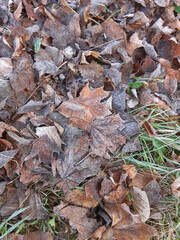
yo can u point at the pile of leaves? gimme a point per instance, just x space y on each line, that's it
70 73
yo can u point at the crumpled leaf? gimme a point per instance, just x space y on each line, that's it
105 136
78 219
141 203
126 225
175 188
84 109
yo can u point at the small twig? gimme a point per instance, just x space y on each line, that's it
82 160
101 45
35 90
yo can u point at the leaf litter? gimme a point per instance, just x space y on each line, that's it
70 73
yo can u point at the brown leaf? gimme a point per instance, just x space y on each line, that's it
168 49
92 189
114 31
133 43
98 233
31 198
146 97
9 202
38 235
151 131
152 190
119 194
93 72
44 148
106 137
126 225
175 186
143 178
78 219
170 83
137 231
6 156
30 10
141 203
162 3
84 109
130 169
79 198
22 76
76 164
5 66
18 11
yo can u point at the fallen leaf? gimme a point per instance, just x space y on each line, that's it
93 72
98 233
6 67
6 156
126 225
141 203
51 132
78 219
162 3
105 136
175 188
144 177
79 198
152 190
8 204
22 76
130 170
84 109
114 31
170 83
168 49
38 235
92 189
151 131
